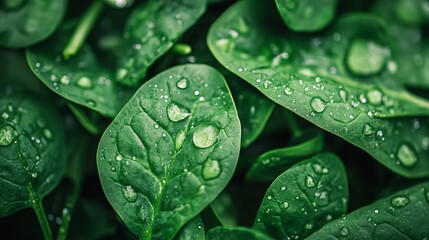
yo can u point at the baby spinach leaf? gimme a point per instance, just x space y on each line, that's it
238 233
89 79
170 151
272 163
307 15
225 210
31 152
304 198
310 76
25 22
194 229
393 217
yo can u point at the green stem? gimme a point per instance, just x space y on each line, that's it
293 125
83 28
40 212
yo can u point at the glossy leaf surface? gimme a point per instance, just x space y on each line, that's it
307 15
304 198
26 22
311 76
194 229
32 157
393 217
170 151
238 233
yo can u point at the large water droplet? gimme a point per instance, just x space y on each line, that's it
343 95
211 169
400 201
119 3
47 133
344 231
317 104
205 135
368 130
366 57
309 182
406 155
129 194
176 113
288 91
84 82
182 83
7 134
375 96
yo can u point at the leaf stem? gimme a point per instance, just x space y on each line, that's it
40 212
82 30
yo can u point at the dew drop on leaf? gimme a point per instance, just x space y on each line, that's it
211 169
205 136
288 91
400 201
309 182
343 95
375 97
344 231
47 133
7 134
182 83
285 205
176 113
368 129
180 138
84 82
129 194
317 104
406 155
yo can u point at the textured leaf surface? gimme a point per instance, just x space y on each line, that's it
32 157
194 229
319 79
403 215
271 164
307 15
170 151
238 233
24 23
304 198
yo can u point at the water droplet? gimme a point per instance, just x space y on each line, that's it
400 201
309 182
343 95
368 129
47 133
308 226
84 82
176 113
180 138
317 104
34 175
285 205
7 134
91 103
366 57
182 83
121 73
119 157
375 97
406 155
119 3
65 80
156 126
205 136
129 194
211 169
288 91
344 231
291 4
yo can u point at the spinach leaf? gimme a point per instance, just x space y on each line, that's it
304 198
238 233
393 217
307 15
272 163
91 80
194 229
225 210
311 76
170 151
31 155
25 22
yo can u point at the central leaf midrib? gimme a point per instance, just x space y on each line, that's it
170 164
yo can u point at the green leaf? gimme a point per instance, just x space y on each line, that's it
307 15
170 151
32 157
403 215
194 229
25 22
309 76
304 198
94 77
271 164
225 209
238 233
